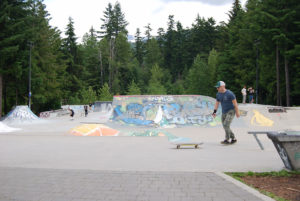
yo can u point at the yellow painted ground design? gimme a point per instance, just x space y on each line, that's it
261 120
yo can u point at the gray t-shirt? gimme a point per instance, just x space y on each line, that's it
226 100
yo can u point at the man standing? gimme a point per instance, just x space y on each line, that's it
229 109
244 93
71 113
85 110
251 94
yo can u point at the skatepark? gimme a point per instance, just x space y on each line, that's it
135 138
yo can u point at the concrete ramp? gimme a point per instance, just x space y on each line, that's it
5 129
20 114
103 106
267 117
196 110
172 110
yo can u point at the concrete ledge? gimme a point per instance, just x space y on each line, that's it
244 186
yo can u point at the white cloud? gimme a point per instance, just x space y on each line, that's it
138 13
210 2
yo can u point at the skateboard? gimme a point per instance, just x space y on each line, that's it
195 144
229 144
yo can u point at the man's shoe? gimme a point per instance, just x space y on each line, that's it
233 141
225 142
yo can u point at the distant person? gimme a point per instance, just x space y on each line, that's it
244 93
72 113
86 110
251 94
90 106
229 109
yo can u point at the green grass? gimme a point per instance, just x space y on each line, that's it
283 173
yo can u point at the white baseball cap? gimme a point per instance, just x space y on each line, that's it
220 83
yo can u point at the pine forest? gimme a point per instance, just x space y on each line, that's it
259 46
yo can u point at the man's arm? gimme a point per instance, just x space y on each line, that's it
237 113
215 109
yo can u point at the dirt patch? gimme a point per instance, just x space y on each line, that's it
284 187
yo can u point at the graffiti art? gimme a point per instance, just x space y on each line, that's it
164 110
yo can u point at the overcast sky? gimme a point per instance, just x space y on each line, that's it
138 13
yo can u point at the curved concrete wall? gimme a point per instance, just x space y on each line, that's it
164 110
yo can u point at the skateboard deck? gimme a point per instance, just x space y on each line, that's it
228 144
180 144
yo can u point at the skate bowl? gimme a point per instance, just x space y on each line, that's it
172 110
195 110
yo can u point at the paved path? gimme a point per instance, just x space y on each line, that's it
72 185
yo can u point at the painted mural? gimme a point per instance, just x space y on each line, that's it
159 133
261 120
20 114
164 110
93 130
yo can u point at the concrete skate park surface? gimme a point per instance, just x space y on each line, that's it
49 144
45 161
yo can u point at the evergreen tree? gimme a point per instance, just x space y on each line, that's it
107 26
90 61
105 95
148 32
114 21
104 61
119 22
199 78
203 36
161 38
278 22
261 42
235 11
156 86
169 48
12 50
139 49
133 89
70 42
152 54
114 29
88 96
293 54
179 45
47 68
212 67
73 83
231 66
122 72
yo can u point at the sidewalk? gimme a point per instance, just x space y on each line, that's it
90 185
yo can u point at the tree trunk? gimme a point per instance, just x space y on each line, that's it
277 74
109 65
287 81
111 59
0 95
16 95
101 67
4 96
